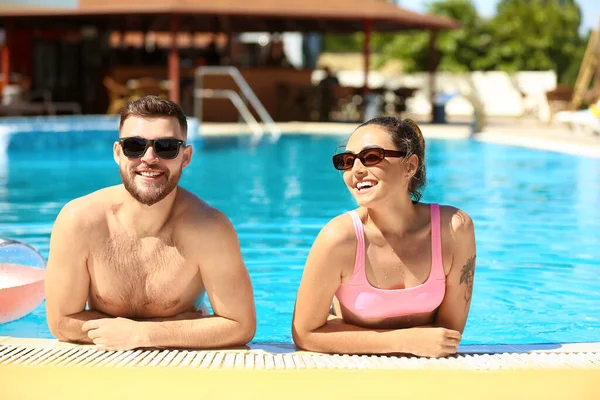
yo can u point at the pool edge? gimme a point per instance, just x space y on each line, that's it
289 348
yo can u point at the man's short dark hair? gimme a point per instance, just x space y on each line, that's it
154 106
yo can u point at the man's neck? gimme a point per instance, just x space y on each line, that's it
143 220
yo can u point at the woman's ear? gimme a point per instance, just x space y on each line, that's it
412 165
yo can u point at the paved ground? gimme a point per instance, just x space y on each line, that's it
533 134
510 131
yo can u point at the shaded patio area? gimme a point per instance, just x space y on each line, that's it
85 28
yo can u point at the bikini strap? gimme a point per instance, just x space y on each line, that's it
359 261
437 265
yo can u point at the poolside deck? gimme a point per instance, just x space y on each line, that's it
537 135
525 132
342 129
509 131
279 371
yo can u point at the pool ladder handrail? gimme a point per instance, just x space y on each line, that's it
200 92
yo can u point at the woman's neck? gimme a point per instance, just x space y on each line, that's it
397 218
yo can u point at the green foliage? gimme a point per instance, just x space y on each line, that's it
530 35
343 43
535 35
460 50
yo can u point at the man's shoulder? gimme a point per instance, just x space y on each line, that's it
199 227
192 210
88 209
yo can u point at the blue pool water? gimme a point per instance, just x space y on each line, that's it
536 213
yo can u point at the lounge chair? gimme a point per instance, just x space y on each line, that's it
582 121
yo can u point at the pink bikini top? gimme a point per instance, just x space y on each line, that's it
366 301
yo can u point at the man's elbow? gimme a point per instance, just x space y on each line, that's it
246 331
55 325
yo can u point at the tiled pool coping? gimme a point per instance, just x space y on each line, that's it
286 356
43 369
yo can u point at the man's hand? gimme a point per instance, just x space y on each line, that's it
116 333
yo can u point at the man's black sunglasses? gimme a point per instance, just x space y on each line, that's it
369 157
165 148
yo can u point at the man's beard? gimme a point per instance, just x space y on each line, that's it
153 192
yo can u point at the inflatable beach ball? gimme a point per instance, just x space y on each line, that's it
21 279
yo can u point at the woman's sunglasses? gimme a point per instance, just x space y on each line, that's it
369 157
135 147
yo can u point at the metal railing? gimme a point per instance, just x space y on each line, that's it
201 93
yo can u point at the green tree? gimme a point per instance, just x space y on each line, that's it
459 50
528 35
536 35
343 43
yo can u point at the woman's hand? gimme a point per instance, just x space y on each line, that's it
431 342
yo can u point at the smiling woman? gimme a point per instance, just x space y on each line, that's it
398 272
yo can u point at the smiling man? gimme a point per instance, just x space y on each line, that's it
143 254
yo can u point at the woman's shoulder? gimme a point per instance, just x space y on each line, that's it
335 246
457 222
338 232
455 216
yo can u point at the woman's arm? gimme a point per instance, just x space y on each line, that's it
454 309
335 247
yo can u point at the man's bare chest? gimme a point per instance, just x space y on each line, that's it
146 277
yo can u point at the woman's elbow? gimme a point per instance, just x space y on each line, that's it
302 338
458 326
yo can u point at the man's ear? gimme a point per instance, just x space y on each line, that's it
117 152
187 156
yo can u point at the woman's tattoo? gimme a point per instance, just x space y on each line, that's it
466 276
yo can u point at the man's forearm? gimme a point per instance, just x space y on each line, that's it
193 330
68 329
